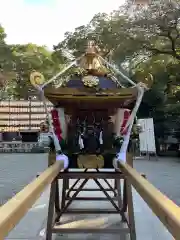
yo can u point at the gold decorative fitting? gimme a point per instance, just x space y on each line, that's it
92 48
148 81
91 61
36 79
145 80
90 81
90 161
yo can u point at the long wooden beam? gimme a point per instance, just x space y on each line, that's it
12 212
165 209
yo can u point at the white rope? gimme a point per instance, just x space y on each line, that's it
80 141
75 63
61 72
121 155
59 155
118 71
136 107
118 82
55 139
58 74
101 138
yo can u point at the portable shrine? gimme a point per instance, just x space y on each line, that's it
90 127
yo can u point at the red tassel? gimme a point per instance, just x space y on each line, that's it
126 116
56 124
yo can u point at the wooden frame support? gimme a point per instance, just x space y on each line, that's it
120 200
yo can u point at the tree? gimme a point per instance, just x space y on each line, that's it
24 59
109 32
146 41
159 27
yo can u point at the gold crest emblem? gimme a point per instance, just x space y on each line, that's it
36 79
90 81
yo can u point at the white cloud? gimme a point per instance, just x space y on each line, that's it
45 24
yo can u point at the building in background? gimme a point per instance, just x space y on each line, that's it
21 119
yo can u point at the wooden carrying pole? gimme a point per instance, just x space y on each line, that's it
167 211
12 212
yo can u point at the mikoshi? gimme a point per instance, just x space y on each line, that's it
93 118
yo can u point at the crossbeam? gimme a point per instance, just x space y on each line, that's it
165 209
15 209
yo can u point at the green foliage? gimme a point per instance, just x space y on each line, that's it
20 60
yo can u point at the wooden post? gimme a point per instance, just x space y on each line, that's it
130 201
52 160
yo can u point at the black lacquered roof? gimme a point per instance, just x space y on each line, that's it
104 82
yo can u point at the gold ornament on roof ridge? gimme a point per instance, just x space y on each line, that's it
91 61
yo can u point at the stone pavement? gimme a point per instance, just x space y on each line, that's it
32 226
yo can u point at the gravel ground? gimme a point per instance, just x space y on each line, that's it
17 170
164 174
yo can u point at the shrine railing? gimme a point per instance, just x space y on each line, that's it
12 212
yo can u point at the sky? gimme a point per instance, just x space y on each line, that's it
44 22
